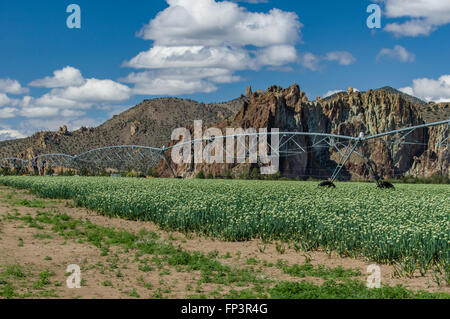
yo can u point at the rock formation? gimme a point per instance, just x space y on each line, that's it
248 92
350 113
345 113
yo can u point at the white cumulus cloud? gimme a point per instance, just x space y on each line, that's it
179 81
39 112
4 99
425 16
8 112
397 53
68 76
313 62
331 92
11 86
310 61
94 90
162 57
70 96
212 23
342 57
9 134
276 55
430 89
200 37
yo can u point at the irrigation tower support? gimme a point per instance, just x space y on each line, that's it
163 155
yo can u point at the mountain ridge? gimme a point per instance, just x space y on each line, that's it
148 123
151 122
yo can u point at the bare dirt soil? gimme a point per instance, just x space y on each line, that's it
42 256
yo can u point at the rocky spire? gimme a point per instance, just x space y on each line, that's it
248 92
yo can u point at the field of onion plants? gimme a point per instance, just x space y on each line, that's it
408 225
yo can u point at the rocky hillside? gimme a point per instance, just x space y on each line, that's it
346 113
149 123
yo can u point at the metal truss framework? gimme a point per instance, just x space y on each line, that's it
124 157
144 158
114 157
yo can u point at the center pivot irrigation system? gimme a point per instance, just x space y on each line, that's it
144 158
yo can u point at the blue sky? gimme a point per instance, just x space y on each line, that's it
207 50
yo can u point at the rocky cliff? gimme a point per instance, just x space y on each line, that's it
346 113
